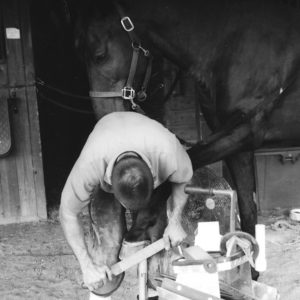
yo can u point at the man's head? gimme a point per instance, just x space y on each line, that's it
132 181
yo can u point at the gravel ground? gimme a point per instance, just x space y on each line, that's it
37 263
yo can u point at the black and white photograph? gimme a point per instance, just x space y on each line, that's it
149 149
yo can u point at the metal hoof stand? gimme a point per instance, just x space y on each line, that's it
204 274
227 275
222 274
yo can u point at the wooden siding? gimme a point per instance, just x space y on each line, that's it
182 113
22 192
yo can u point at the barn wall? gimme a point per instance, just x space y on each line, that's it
22 192
182 114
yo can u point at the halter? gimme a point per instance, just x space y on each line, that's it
128 92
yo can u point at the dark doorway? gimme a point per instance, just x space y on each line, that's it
65 120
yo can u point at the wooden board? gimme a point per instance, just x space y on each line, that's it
22 191
182 114
5 128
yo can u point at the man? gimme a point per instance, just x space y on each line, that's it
128 161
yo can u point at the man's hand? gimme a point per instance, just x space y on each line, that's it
95 276
174 234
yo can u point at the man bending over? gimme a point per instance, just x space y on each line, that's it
129 161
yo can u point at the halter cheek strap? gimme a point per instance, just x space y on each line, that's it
128 92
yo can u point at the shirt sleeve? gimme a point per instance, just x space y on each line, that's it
82 181
184 169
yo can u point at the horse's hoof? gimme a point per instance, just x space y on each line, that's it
110 286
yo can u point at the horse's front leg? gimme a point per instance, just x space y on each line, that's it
241 166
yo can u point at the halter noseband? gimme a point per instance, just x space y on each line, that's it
128 92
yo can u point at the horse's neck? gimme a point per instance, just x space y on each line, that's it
175 30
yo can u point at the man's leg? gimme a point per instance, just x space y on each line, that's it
107 230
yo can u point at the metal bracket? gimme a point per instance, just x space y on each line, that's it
142 95
127 24
137 46
128 93
190 189
289 157
145 51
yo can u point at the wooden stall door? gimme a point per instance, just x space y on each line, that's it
22 191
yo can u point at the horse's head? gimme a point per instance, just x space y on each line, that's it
117 65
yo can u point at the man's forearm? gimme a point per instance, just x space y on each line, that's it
174 233
179 199
74 234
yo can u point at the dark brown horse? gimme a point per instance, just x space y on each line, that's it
244 55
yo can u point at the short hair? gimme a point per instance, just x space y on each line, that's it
132 182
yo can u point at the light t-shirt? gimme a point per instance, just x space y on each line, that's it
119 132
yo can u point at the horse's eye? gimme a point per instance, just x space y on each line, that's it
100 56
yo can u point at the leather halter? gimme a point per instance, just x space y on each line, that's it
128 92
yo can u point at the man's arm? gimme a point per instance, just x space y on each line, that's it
174 233
182 174
94 276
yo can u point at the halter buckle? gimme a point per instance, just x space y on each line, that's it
127 24
128 93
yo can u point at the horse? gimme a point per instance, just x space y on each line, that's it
244 56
